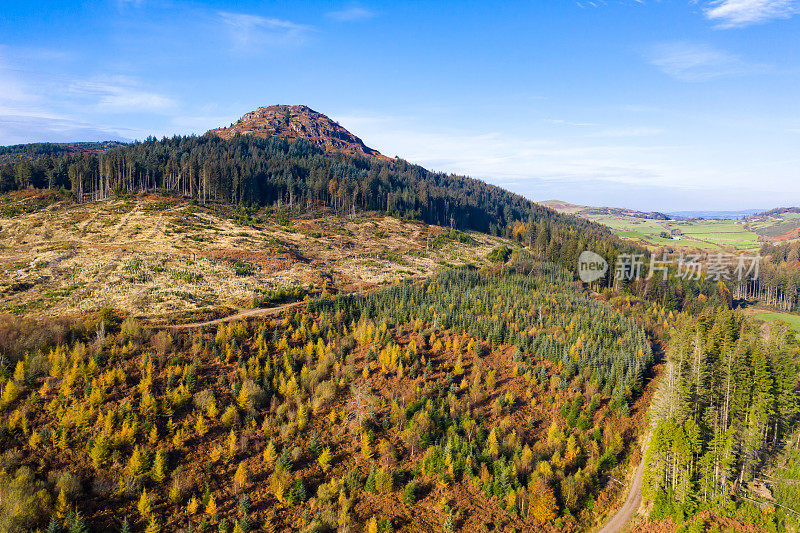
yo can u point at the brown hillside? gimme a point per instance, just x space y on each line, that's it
298 122
159 256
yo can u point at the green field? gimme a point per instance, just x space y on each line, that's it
773 316
703 234
792 319
732 235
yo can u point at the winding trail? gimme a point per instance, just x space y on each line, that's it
237 316
622 518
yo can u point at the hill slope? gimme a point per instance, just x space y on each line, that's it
297 122
158 256
588 211
407 406
304 175
657 229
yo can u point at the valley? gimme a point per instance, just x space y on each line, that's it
273 327
709 235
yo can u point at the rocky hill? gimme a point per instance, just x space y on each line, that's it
297 122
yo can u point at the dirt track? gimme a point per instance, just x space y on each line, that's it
237 316
622 518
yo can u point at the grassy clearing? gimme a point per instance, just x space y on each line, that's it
790 318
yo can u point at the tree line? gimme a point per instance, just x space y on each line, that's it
301 177
727 401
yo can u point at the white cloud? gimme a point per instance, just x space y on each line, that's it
698 62
642 166
42 105
563 122
351 14
504 156
119 94
738 13
32 127
629 132
252 31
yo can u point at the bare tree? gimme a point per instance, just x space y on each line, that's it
361 406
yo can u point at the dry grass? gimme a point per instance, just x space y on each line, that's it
159 256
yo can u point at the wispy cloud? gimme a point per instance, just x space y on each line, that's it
692 62
563 122
629 132
120 94
726 13
504 156
30 127
738 13
351 14
646 167
255 31
38 105
640 108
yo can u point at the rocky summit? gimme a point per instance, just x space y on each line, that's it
298 122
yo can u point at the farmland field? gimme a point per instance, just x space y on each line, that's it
709 235
720 235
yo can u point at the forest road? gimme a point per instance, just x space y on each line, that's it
620 521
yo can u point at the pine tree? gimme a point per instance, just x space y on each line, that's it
145 506
269 454
459 368
53 526
366 449
233 446
152 437
240 477
77 524
138 463
211 508
324 459
192 506
201 426
62 505
159 470
153 526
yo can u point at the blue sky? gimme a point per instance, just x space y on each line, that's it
656 105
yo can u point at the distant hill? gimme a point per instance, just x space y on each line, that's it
780 224
712 215
297 122
37 151
583 210
779 211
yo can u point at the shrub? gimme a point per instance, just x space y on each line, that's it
24 502
410 492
